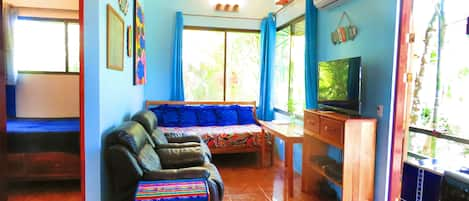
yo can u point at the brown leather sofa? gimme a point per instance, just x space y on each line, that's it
131 157
150 122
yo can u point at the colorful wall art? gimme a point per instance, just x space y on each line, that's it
140 64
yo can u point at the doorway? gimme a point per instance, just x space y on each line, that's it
43 142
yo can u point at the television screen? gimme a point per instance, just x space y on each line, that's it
339 85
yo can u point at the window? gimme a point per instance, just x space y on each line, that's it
46 45
289 80
441 68
221 65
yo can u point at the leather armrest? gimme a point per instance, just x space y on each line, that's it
181 138
178 145
171 174
172 158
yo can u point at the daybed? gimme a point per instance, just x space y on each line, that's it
43 149
226 127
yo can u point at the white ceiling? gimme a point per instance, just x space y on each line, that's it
49 4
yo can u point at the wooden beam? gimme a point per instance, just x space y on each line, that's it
3 144
398 134
82 97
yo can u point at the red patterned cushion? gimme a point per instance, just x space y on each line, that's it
222 136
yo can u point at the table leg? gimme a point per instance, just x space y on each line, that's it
262 149
289 167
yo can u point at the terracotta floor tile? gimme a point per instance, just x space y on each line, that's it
244 181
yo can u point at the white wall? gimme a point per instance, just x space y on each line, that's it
47 13
291 11
50 4
47 96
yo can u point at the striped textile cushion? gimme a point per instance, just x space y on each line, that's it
173 190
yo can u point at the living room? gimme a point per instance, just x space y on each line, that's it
236 52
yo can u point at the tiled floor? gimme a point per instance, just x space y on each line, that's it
243 182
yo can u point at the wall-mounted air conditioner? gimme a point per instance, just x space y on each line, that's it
325 4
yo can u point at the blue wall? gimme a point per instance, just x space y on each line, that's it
110 96
376 44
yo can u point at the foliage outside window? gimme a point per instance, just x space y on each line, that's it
43 45
221 65
439 97
289 79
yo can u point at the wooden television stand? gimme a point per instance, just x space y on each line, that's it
355 137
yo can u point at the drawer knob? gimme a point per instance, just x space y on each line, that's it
326 128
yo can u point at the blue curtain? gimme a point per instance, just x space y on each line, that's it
268 32
177 90
311 64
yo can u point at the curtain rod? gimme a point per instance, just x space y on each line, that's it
218 16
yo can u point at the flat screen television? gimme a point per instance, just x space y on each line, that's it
339 85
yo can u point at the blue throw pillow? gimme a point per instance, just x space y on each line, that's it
206 116
188 116
227 115
245 115
171 116
158 111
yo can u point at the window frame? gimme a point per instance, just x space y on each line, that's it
66 22
290 24
225 31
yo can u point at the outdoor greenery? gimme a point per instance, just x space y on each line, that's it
289 79
204 65
440 63
333 80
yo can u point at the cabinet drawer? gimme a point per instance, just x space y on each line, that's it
311 122
332 130
16 167
52 164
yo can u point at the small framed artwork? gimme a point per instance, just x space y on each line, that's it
130 41
115 40
140 63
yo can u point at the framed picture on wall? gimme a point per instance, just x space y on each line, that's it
140 63
115 40
130 41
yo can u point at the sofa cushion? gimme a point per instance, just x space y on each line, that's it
158 111
245 115
221 136
171 115
188 116
226 115
147 119
206 116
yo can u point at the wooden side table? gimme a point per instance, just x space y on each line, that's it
290 134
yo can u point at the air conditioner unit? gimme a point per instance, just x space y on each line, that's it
325 4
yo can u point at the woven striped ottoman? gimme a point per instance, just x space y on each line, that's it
173 190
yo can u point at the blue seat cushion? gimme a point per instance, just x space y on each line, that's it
188 116
206 116
171 116
245 115
227 115
158 111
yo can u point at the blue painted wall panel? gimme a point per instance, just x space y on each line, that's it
110 96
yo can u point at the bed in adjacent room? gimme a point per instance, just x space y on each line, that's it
43 149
